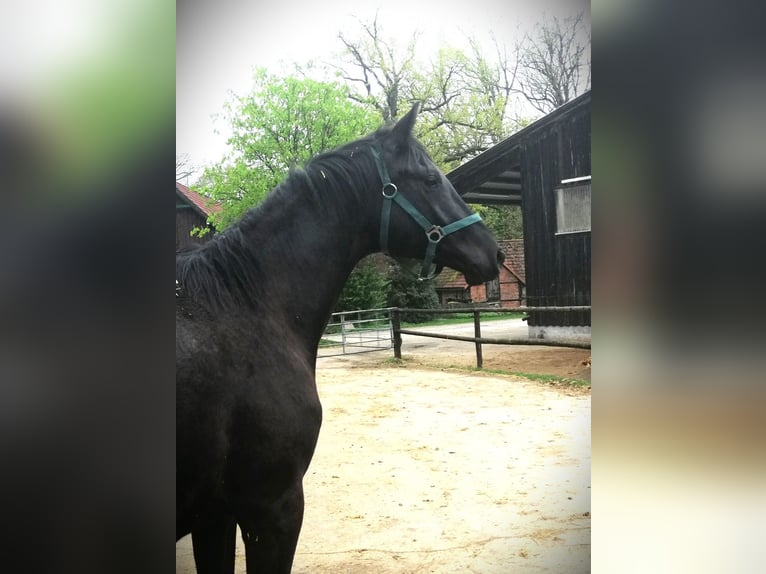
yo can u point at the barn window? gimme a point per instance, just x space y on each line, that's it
493 289
573 206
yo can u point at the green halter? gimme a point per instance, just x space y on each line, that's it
434 233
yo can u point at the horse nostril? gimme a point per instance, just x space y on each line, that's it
500 257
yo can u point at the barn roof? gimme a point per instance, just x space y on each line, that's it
203 205
494 177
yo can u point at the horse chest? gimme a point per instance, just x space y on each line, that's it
254 405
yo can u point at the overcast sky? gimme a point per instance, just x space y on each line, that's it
219 43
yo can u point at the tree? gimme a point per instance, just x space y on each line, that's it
366 288
465 96
406 290
467 102
552 63
378 69
504 221
281 124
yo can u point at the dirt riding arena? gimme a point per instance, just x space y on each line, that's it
426 469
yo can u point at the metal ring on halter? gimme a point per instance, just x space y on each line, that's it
435 231
392 186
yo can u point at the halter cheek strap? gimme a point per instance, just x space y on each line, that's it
434 233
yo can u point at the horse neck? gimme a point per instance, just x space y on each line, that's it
308 236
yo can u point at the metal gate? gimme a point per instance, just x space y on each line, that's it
357 332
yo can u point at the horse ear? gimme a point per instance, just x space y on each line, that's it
403 128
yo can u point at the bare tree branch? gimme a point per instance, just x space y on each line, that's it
551 63
380 68
184 169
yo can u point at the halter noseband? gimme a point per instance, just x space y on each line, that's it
434 233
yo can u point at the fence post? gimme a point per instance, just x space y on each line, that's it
396 328
477 334
343 332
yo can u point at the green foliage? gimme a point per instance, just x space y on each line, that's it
503 220
468 100
366 288
369 287
282 123
406 290
199 231
464 110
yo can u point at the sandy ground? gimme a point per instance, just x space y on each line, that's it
422 469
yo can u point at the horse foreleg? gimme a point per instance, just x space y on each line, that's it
270 532
214 545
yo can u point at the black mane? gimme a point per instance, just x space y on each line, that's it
226 272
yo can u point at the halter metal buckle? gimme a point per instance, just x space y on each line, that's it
435 234
389 186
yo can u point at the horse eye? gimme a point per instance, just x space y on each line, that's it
432 180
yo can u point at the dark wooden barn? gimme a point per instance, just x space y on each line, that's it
545 168
192 210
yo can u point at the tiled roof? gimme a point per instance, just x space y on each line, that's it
204 205
514 256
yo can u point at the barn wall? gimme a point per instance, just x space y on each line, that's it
510 290
510 293
186 220
557 267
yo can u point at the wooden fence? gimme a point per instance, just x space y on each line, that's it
477 339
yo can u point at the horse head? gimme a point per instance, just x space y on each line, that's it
421 214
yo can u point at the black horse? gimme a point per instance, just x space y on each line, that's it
251 307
